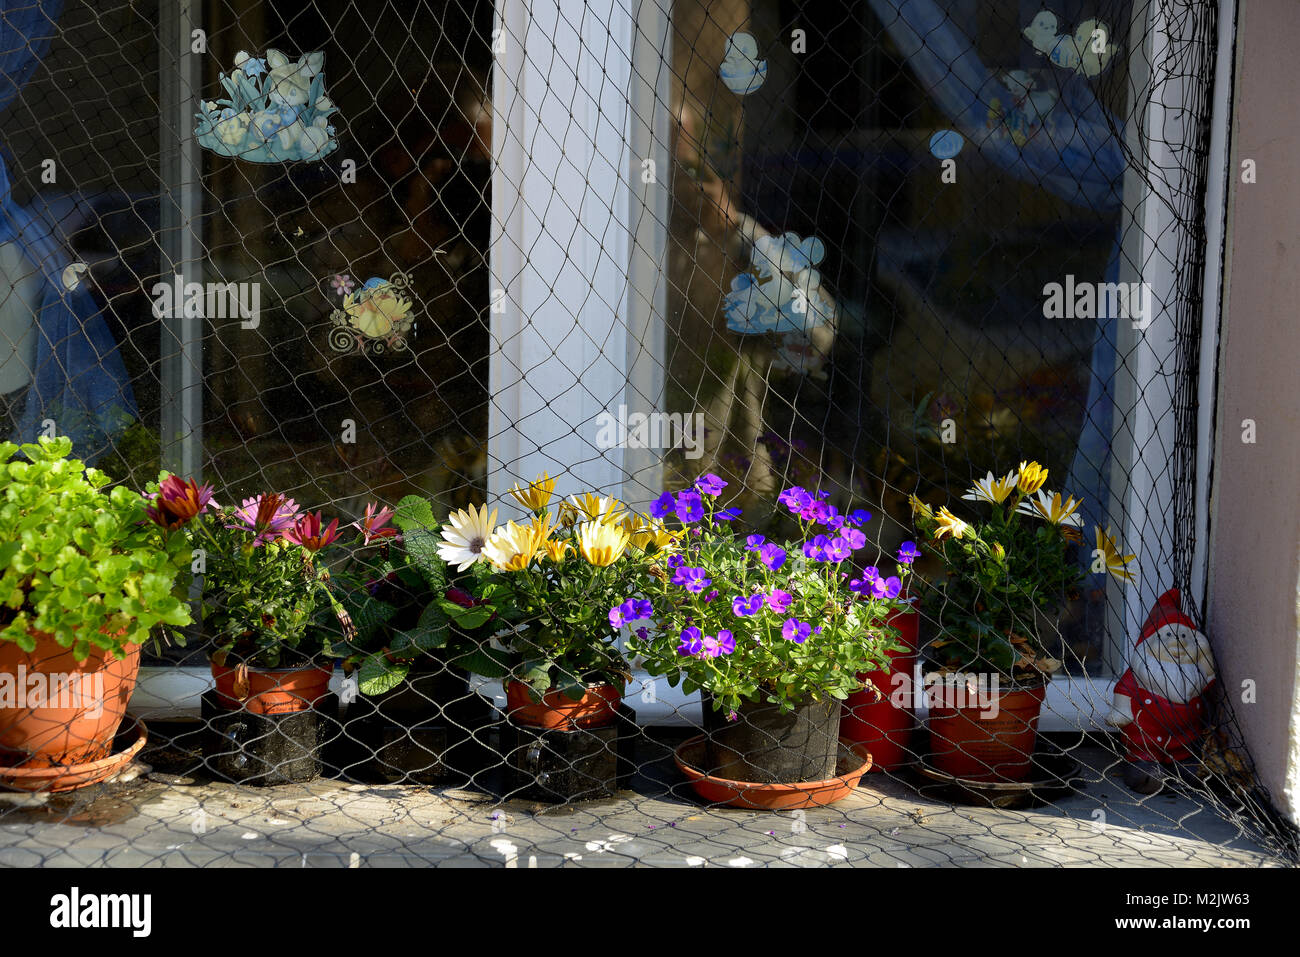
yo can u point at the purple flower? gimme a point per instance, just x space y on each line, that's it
692 642
888 587
864 585
732 716
839 549
754 542
643 633
742 607
772 555
710 596
796 499
689 506
726 642
859 517
796 630
824 513
908 553
634 609
820 549
779 600
727 514
676 561
694 580
710 484
662 505
853 538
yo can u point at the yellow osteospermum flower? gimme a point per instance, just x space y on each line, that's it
919 507
538 493
595 508
1031 477
655 535
602 544
556 549
1108 552
991 489
512 547
1051 508
949 524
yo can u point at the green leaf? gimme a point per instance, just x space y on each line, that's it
485 661
379 675
413 514
466 618
368 614
422 552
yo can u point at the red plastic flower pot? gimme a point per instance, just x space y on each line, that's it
973 744
270 690
597 707
871 716
56 711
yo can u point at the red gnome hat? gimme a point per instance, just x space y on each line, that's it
1168 610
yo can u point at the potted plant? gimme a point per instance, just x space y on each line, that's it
268 605
88 573
1004 578
548 587
415 715
775 634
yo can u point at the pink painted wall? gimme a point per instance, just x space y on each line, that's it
1255 505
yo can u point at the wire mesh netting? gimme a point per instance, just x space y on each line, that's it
763 329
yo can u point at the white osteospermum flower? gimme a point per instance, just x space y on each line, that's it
465 534
992 489
1049 507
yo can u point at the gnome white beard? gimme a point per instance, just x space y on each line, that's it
1178 681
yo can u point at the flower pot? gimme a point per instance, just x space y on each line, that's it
768 746
972 743
597 707
56 711
871 716
270 690
420 732
854 762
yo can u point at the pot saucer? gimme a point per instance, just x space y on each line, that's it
130 740
1051 775
854 761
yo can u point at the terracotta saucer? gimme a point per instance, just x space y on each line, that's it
854 762
130 740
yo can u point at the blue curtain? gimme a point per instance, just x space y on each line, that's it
79 380
1076 156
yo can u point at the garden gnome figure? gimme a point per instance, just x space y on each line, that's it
1159 702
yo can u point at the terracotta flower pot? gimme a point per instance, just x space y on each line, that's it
597 707
853 763
973 745
56 711
871 717
766 745
270 690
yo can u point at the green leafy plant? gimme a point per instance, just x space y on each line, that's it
83 562
408 615
1004 575
269 597
751 620
544 590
